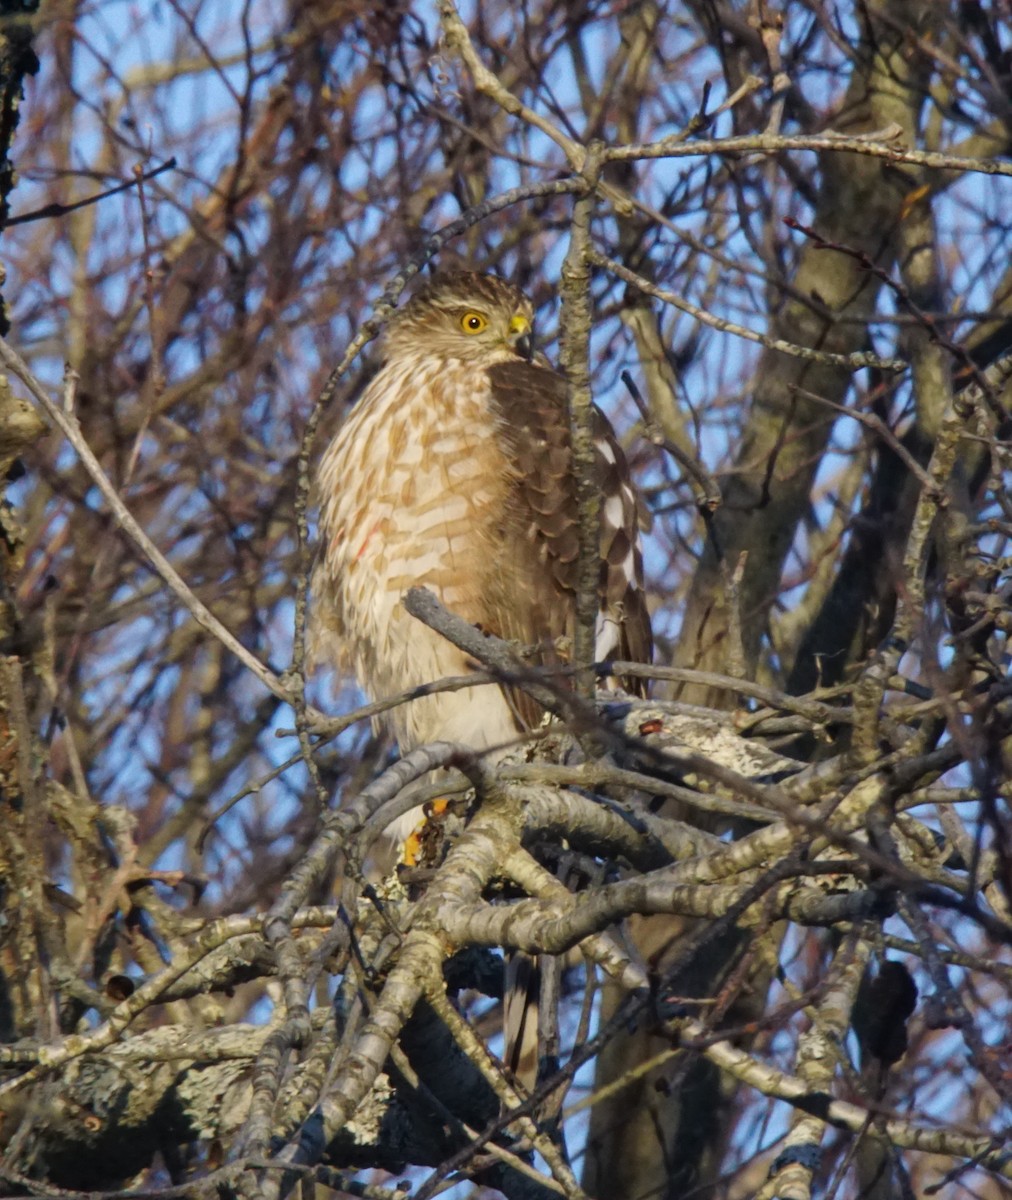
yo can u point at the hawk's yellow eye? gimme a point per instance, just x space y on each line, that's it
473 322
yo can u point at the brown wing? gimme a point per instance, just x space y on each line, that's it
531 587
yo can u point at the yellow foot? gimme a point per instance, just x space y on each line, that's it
422 841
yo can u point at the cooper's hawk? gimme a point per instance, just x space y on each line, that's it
453 472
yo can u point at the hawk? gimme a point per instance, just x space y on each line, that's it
453 472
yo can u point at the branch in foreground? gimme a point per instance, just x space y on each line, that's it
495 654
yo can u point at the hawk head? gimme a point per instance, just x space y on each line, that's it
477 318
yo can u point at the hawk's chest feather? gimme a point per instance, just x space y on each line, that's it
412 493
413 488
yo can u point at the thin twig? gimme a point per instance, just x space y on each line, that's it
857 361
71 430
61 210
705 488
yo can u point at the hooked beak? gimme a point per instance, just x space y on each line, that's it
522 336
